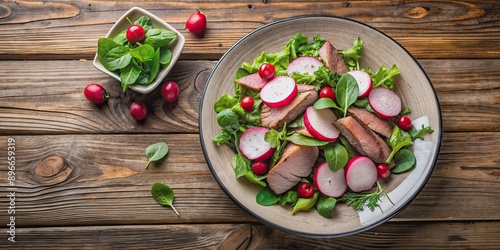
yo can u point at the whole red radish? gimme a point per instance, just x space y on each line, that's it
196 23
404 122
259 168
170 91
266 71
327 92
247 103
135 33
383 171
305 190
138 110
95 93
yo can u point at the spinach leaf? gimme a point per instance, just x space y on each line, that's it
304 140
117 58
159 37
145 22
351 152
163 195
325 206
398 139
324 103
104 45
154 66
143 53
129 75
405 161
121 38
165 56
266 197
336 156
298 122
255 179
361 103
156 152
347 92
305 204
227 119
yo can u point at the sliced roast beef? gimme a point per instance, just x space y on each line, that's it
276 117
296 163
332 58
363 139
253 81
371 120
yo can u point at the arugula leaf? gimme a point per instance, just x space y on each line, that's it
163 195
352 55
156 152
418 133
384 77
347 92
398 139
278 141
224 102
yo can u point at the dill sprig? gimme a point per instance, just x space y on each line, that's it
361 200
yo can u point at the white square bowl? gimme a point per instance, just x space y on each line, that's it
176 46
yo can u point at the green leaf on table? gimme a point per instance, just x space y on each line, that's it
156 152
163 195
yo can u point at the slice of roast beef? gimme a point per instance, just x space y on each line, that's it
276 117
253 81
332 58
371 120
363 139
296 163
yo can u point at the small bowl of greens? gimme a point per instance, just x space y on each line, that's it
142 62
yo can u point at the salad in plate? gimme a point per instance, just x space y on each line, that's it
312 127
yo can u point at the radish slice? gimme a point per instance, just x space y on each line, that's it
360 173
279 92
304 64
253 146
385 102
329 183
318 123
364 82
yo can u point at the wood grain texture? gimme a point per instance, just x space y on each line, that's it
401 235
468 92
428 29
103 182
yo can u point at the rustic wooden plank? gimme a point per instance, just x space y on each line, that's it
467 89
401 235
103 181
444 29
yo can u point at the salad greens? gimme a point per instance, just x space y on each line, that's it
163 195
139 63
234 120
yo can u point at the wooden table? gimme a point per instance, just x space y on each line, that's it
99 197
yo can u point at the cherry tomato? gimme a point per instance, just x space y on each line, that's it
305 190
266 71
247 103
404 122
196 23
259 167
327 92
95 93
383 171
170 91
138 110
135 33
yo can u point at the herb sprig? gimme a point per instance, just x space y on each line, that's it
361 200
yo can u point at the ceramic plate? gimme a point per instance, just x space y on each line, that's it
413 86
